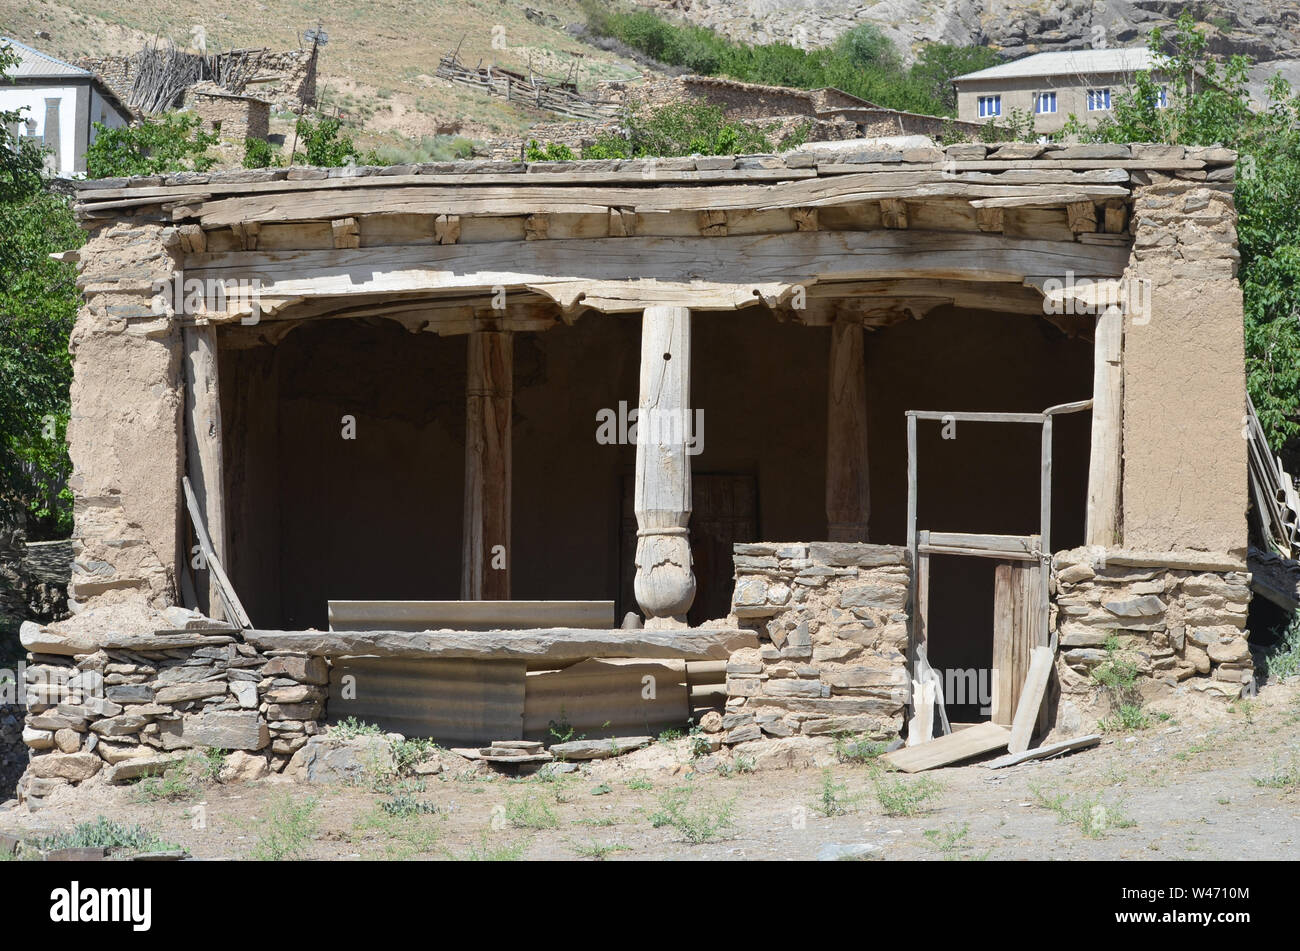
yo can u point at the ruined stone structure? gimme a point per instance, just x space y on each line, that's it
404 393
812 115
233 117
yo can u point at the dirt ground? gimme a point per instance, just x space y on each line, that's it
1222 783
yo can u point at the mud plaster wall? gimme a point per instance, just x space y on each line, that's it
125 432
1184 477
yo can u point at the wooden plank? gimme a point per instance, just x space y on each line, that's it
485 553
1104 461
971 417
665 581
203 455
1017 595
745 261
468 615
848 500
529 198
1045 752
545 644
1031 699
953 748
1023 545
229 599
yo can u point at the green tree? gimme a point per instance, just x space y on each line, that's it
174 143
325 145
683 129
38 303
1208 104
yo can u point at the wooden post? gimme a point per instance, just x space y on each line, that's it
485 552
664 583
848 500
1107 426
203 462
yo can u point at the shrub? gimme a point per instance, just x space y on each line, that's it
174 143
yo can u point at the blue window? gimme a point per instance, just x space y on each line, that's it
1098 100
990 106
1045 102
1162 98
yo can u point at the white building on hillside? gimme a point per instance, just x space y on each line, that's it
59 103
1052 86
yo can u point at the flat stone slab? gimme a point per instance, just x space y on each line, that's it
599 749
536 644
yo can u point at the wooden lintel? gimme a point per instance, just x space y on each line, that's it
192 238
712 224
1083 216
346 233
446 229
893 213
990 219
536 227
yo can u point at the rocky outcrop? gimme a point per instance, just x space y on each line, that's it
1266 30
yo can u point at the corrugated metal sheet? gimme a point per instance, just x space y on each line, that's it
33 63
600 698
456 702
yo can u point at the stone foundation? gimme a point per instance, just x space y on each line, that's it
137 706
1179 625
832 624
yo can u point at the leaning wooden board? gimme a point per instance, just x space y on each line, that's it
984 738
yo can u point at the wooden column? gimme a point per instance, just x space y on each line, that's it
485 555
203 462
1102 526
848 504
664 583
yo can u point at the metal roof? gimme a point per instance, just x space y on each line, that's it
35 64
1069 63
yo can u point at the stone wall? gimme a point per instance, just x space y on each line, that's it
233 118
140 704
284 78
832 623
1179 625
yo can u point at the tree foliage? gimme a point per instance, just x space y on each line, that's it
174 143
38 303
685 129
862 62
1208 104
325 145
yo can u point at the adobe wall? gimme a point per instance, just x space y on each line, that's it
125 435
1184 468
233 118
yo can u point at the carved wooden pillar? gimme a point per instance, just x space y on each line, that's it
485 555
665 582
847 488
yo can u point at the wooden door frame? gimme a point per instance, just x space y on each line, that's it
1023 560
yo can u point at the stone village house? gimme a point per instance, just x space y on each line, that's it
958 407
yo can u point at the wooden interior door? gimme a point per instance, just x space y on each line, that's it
1017 616
724 511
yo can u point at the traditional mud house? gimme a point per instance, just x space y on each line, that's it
914 412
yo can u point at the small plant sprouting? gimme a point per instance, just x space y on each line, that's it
901 797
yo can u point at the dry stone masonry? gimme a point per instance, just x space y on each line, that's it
832 621
1177 625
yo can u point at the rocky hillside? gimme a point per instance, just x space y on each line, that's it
1263 29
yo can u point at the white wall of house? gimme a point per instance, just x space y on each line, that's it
76 129
32 101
